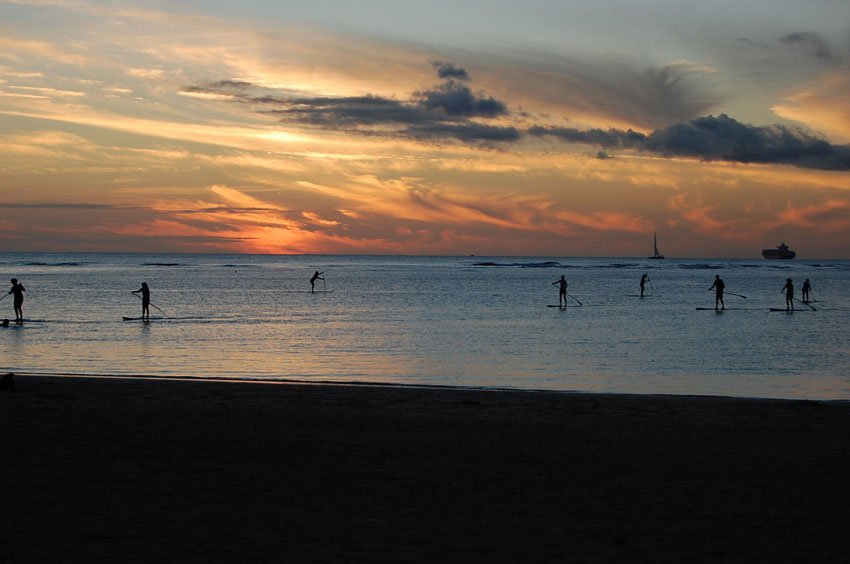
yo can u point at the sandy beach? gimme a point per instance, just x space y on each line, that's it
134 470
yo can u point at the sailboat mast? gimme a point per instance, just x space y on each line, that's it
655 253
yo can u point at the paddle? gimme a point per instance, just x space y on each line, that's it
731 294
152 305
651 287
575 298
4 297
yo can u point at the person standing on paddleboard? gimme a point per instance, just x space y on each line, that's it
146 300
562 291
718 287
316 276
807 291
18 291
642 283
788 288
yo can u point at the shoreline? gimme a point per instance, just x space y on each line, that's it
102 469
414 386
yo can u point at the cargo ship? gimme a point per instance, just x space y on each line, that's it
780 252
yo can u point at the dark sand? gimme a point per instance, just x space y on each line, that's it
180 471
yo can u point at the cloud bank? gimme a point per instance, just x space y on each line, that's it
449 110
719 138
452 111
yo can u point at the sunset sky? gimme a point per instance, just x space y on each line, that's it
559 128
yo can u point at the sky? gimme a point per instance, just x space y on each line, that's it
542 127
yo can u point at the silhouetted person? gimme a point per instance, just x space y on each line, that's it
807 291
788 288
316 276
718 287
642 283
562 291
18 292
146 300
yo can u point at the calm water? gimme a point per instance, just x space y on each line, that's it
467 321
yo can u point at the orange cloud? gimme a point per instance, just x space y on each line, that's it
826 217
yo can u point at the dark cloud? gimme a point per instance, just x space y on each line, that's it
448 70
750 43
449 110
455 99
417 121
468 132
605 138
724 138
346 112
811 42
232 84
219 87
719 138
452 111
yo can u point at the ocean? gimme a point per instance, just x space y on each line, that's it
448 321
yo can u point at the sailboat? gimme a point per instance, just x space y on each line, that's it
655 254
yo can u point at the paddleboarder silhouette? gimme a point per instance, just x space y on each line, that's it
718 287
807 290
146 300
788 288
18 292
316 276
642 283
562 291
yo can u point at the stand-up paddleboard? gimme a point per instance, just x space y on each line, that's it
715 309
13 323
142 319
789 310
560 306
305 292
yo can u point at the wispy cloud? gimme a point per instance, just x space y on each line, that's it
813 43
821 103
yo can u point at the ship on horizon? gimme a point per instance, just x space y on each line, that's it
780 252
655 253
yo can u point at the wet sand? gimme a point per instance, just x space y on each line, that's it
98 470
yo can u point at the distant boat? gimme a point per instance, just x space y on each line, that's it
780 252
655 253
